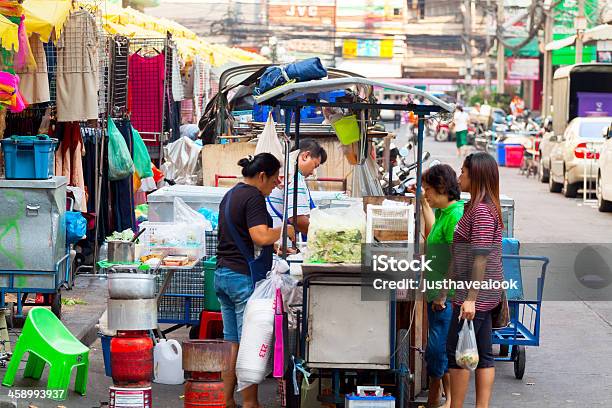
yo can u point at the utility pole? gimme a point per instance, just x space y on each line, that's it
547 74
467 40
501 61
580 26
487 70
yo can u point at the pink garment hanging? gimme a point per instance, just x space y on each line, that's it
146 92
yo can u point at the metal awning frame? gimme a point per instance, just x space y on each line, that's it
294 96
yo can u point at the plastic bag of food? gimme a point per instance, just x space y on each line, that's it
466 353
257 339
335 235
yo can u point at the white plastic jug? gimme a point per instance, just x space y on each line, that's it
168 360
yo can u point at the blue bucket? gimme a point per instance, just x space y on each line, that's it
29 157
106 340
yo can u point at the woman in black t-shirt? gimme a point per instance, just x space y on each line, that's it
244 225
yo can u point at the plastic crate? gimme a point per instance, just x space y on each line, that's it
501 152
173 239
514 155
212 240
29 157
183 299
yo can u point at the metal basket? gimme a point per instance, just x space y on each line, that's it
212 240
183 300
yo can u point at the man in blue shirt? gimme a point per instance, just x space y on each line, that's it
309 156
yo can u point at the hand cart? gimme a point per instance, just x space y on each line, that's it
291 98
524 327
366 348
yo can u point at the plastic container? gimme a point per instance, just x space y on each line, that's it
29 157
132 358
514 155
501 153
211 302
347 129
106 341
354 401
256 342
168 360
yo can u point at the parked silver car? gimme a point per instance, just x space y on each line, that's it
604 181
575 155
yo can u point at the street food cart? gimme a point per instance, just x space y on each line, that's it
342 336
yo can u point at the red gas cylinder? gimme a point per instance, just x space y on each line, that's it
204 394
132 358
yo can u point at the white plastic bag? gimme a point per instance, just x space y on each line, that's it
335 235
184 214
268 141
257 339
466 354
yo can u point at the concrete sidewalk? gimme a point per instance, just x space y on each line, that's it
81 319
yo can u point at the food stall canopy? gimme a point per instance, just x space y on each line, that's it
299 90
134 24
599 33
44 16
8 34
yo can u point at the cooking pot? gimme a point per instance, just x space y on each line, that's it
131 286
121 251
132 314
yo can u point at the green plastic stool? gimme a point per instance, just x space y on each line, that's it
49 342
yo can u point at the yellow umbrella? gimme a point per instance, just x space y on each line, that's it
44 16
9 34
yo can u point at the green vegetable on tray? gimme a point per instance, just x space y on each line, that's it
335 235
125 235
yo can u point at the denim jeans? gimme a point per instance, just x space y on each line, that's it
233 290
435 355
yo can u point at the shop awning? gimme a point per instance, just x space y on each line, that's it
599 33
295 90
8 34
44 16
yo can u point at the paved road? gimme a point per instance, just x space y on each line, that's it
573 365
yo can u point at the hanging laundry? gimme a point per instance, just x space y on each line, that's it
69 156
24 60
78 69
146 92
10 96
178 93
34 84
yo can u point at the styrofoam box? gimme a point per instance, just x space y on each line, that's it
355 401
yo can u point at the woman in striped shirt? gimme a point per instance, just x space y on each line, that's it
476 257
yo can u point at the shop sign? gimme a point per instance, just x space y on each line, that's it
367 48
524 68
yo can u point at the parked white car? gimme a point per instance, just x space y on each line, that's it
604 181
578 148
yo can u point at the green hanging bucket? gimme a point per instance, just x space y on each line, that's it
347 129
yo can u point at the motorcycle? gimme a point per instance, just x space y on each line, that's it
442 132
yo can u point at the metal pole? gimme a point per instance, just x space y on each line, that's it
580 26
417 223
285 180
547 75
501 67
466 8
487 71
296 168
